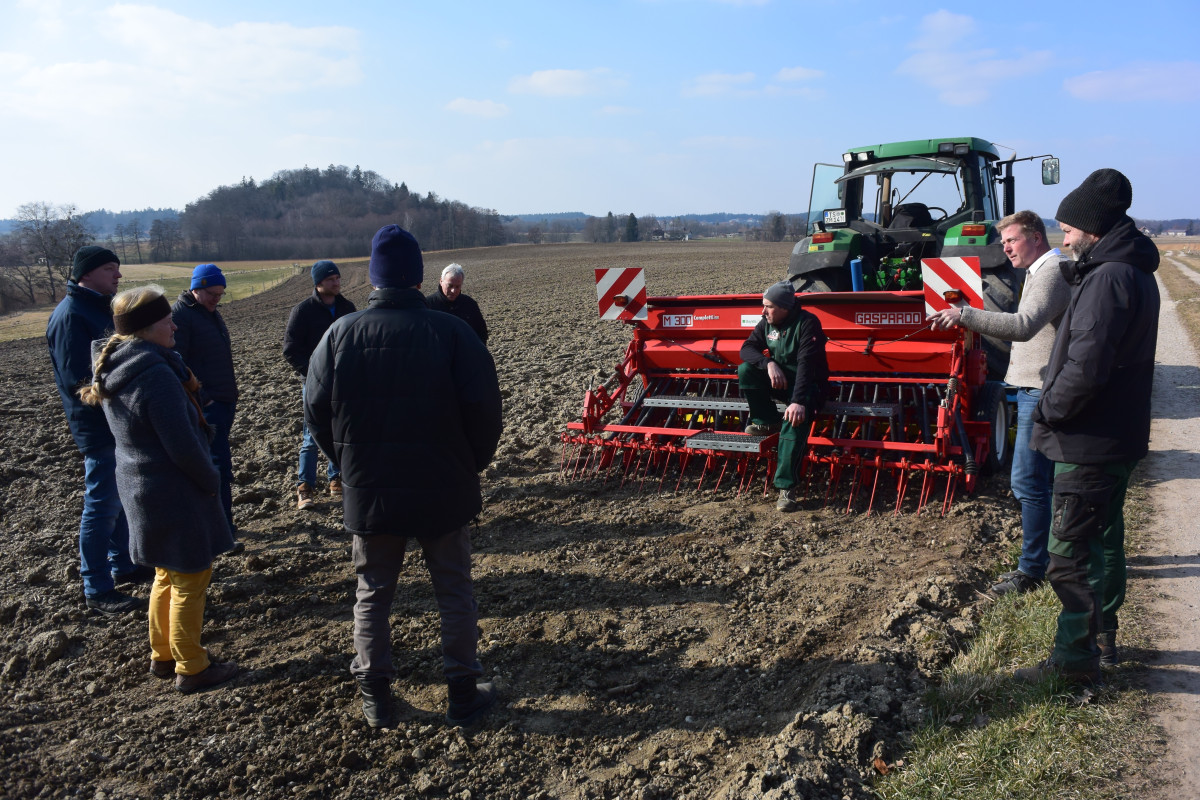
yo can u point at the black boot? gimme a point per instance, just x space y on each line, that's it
1107 642
377 701
469 701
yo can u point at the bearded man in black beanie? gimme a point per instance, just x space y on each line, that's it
1093 419
405 400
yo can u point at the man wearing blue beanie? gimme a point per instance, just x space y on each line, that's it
203 341
417 418
306 325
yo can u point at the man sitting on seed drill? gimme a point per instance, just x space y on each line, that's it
784 358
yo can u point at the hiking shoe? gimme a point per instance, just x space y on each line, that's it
304 497
1050 668
162 669
1107 642
213 675
335 488
789 500
377 703
469 701
139 574
1017 582
754 429
113 603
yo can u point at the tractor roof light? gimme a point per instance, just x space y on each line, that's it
974 230
847 157
953 148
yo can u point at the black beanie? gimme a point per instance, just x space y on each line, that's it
89 258
322 270
396 261
1098 203
781 294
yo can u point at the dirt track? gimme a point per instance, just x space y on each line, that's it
647 646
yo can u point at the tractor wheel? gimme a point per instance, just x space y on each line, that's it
1001 291
822 280
991 405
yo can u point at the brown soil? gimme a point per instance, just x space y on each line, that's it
691 645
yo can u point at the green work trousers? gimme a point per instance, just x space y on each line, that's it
755 387
1087 556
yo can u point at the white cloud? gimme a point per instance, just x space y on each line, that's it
488 109
1162 82
175 65
792 74
949 60
717 83
568 82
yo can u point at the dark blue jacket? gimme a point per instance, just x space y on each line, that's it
406 401
81 317
203 341
1095 405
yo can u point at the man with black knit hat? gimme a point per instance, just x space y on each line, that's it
406 401
306 325
83 315
1093 419
204 342
784 358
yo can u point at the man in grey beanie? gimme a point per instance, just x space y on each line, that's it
1093 419
784 357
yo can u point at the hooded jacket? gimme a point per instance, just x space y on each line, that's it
81 317
406 401
1095 404
203 341
165 474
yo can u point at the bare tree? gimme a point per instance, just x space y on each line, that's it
50 235
135 232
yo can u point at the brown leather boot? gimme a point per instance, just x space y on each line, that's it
304 497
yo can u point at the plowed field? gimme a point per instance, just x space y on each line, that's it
691 645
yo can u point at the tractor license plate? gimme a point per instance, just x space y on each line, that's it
836 216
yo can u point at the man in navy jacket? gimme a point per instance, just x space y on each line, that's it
83 315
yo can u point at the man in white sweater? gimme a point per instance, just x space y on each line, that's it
1031 329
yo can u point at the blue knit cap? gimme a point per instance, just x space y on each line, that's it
206 275
322 270
396 261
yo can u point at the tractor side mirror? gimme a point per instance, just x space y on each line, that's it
1049 171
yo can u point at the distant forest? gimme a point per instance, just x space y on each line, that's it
310 213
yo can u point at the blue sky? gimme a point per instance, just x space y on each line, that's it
650 106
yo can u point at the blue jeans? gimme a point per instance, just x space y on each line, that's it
309 453
1032 484
103 531
220 416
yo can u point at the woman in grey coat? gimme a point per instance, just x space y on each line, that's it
165 477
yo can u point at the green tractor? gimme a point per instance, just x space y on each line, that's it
930 198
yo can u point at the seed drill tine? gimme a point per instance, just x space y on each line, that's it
663 477
687 456
951 481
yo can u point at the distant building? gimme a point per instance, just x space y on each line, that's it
1176 232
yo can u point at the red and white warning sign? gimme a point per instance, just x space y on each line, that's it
621 292
942 275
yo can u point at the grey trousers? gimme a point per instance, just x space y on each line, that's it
377 561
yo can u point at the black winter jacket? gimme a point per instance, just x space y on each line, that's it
406 401
464 308
307 324
1095 405
203 341
82 317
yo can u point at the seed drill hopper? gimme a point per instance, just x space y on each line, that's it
909 411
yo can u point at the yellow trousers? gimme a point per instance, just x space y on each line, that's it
176 616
